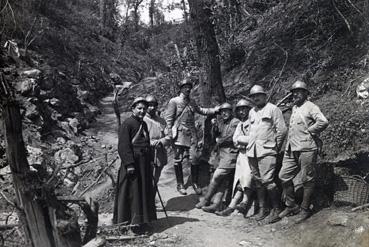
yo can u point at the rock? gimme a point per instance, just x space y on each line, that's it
27 87
34 155
69 133
31 112
65 156
74 124
362 90
60 140
32 73
338 219
360 230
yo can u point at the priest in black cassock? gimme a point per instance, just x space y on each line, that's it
135 193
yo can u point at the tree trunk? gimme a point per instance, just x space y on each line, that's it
40 219
151 12
208 51
185 13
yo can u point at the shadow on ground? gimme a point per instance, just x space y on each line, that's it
165 223
182 203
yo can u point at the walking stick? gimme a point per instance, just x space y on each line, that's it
156 185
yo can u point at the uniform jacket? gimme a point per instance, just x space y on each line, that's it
267 131
306 121
225 147
185 127
156 126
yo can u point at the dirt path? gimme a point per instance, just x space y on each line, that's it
188 226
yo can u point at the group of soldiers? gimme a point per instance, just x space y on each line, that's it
244 155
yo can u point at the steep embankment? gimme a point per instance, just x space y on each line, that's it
323 43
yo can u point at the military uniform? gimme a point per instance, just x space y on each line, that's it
180 119
306 123
227 153
266 134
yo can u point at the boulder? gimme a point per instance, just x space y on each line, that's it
65 157
74 124
28 87
31 111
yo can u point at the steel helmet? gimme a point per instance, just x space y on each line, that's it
151 99
245 102
225 106
186 81
299 85
257 89
138 100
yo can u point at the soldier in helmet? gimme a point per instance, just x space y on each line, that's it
180 119
135 194
242 184
306 123
158 140
226 154
267 131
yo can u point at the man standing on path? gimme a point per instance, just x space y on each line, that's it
303 143
226 154
135 194
266 134
180 118
158 140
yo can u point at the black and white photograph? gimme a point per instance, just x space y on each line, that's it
184 123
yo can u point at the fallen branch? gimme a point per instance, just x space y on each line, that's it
360 207
114 238
98 178
7 199
8 226
342 16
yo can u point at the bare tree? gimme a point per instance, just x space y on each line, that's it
151 12
184 8
208 50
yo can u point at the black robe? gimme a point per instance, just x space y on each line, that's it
135 194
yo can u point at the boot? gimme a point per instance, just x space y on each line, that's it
275 200
308 192
263 212
211 208
209 194
244 207
303 215
215 206
179 176
305 205
289 192
289 211
195 179
226 212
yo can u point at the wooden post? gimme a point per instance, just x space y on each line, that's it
40 218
